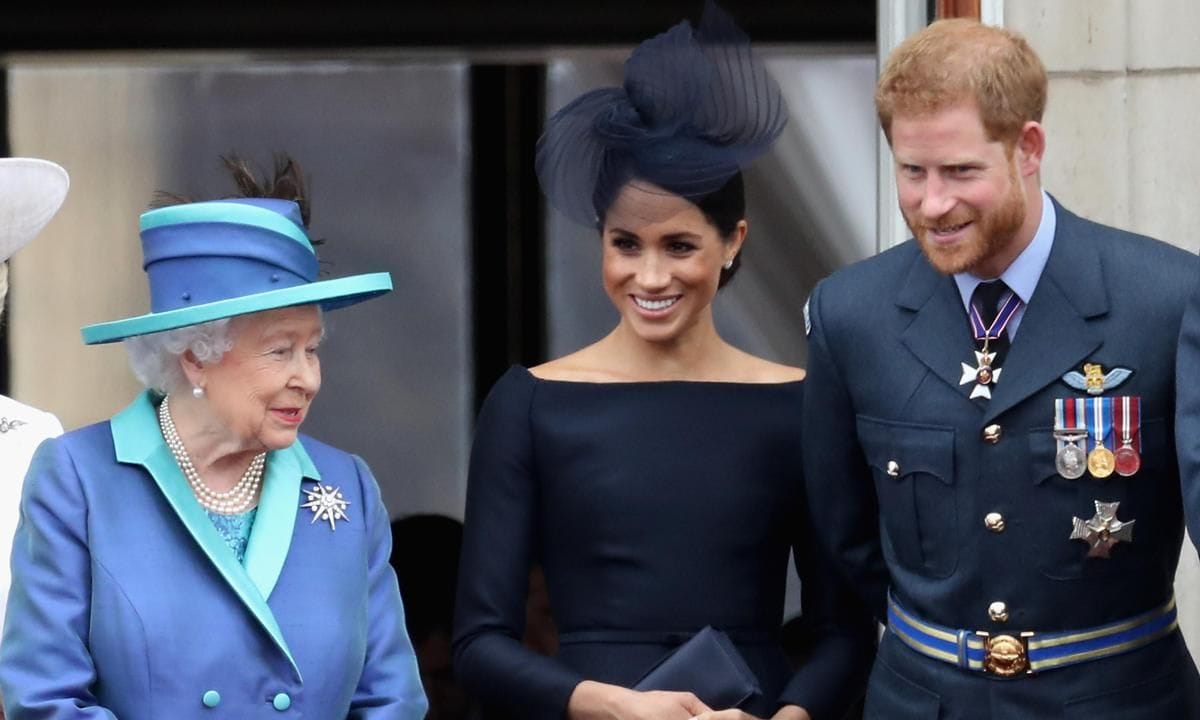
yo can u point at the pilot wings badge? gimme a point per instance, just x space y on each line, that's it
1094 380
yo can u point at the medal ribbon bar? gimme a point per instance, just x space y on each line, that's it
1127 440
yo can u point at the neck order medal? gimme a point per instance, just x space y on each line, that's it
985 374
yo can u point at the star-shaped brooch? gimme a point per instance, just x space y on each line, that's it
983 375
1103 531
327 504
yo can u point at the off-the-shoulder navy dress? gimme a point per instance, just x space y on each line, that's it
655 509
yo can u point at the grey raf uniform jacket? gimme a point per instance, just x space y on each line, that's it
903 468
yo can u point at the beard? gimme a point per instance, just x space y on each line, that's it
990 233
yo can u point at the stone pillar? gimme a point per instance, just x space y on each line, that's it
1121 134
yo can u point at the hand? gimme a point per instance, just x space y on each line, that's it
787 712
599 701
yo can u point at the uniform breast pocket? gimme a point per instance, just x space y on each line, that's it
1059 500
913 467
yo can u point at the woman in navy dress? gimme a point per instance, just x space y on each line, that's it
655 475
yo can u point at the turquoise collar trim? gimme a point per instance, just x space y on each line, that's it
277 509
329 294
138 441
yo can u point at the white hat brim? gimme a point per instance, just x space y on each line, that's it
31 191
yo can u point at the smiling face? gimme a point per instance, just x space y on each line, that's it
662 262
967 199
263 386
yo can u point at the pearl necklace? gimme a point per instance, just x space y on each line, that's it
234 501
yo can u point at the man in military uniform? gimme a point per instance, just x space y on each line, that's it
989 417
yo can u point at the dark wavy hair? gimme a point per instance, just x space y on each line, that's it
724 209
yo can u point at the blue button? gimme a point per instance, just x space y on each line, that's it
211 699
282 702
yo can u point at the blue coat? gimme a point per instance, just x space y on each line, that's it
887 340
127 603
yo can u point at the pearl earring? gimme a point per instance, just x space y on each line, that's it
197 392
728 264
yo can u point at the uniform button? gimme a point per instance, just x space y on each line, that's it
282 702
994 521
211 699
893 468
992 433
998 612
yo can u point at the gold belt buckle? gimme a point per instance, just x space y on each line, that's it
1006 655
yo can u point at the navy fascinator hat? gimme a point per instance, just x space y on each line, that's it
696 106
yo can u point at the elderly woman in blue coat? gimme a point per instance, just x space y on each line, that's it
195 556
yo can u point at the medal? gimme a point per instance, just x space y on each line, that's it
1071 461
1126 461
983 374
1069 429
1127 413
1100 460
1103 530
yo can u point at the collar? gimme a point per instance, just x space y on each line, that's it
138 440
1023 274
136 436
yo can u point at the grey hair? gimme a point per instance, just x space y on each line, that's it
154 358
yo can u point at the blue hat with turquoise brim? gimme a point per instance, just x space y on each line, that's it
211 260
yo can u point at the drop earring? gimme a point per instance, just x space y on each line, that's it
197 392
728 264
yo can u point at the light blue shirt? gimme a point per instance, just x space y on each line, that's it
1023 274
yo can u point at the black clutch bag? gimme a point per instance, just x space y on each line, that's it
709 666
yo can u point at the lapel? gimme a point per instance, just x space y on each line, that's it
271 536
1055 335
138 441
939 334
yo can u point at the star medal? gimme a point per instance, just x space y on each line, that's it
1100 460
1103 530
327 504
1127 411
983 374
1069 429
